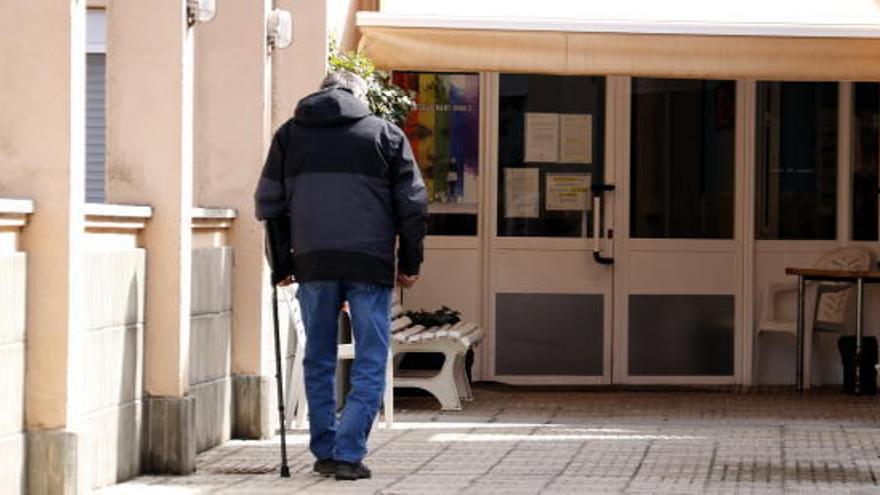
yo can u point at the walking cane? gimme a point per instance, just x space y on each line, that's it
285 470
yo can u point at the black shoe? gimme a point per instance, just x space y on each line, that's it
325 467
351 472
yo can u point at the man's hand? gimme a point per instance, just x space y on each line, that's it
406 281
287 281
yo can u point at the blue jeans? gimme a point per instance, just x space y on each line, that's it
370 305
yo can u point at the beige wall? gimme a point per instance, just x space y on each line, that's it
341 22
42 157
149 161
233 81
298 70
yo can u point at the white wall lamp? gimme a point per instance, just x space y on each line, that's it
200 11
279 29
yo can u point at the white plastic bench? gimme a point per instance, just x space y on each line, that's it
449 384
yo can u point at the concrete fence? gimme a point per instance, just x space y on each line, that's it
210 349
13 280
110 363
109 434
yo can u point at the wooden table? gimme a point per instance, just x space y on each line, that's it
859 278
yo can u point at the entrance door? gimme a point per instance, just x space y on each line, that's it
663 304
549 298
679 268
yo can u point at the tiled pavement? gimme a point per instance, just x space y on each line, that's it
512 440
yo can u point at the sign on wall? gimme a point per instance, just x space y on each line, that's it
444 132
568 192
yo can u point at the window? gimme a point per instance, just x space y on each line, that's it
682 155
796 160
96 122
550 152
444 131
865 147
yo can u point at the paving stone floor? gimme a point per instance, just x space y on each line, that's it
513 440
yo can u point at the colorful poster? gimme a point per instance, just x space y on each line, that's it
444 132
521 188
542 137
576 141
568 192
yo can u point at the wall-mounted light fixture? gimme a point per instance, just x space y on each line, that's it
279 29
200 11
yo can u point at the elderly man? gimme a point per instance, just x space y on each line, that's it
340 186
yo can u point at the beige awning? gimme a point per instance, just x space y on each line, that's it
657 47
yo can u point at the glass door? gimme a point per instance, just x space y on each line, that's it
678 260
865 160
550 296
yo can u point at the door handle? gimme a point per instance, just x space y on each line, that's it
600 234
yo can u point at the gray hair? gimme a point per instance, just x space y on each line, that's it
347 80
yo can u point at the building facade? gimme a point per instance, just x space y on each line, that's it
644 173
614 189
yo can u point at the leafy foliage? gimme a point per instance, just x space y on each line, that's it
387 100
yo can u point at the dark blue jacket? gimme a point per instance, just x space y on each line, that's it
349 185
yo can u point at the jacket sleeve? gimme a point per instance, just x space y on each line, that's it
278 251
271 206
270 197
410 208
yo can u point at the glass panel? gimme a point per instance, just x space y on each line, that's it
444 131
865 146
550 150
682 155
796 160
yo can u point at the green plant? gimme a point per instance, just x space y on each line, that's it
386 99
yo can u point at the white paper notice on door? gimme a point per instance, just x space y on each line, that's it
542 137
576 138
521 193
568 192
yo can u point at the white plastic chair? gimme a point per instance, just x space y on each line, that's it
296 392
825 303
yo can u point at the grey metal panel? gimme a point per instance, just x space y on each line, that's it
681 335
96 127
549 334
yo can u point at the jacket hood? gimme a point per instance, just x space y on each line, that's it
332 106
